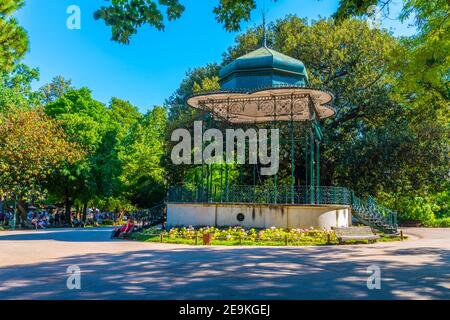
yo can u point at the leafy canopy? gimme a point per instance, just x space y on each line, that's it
16 90
141 153
125 17
13 38
32 146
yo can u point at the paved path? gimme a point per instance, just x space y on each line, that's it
33 265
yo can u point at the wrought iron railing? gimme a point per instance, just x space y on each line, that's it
283 194
149 217
366 211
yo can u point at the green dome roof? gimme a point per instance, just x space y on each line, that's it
263 67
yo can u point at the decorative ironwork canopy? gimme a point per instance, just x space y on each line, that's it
266 105
264 86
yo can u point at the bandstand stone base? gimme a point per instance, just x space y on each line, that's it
257 215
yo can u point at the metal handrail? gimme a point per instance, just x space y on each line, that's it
261 194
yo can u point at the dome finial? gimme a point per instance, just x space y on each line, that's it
264 35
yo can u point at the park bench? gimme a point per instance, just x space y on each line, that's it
355 234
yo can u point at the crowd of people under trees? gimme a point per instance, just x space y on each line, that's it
51 216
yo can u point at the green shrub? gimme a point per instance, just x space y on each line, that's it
411 208
424 208
443 201
418 209
440 223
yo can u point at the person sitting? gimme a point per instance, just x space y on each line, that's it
44 221
123 230
37 222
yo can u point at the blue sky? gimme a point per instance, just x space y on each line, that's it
149 70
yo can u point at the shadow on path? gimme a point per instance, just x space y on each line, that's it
240 273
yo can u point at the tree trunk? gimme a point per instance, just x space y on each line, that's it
68 205
85 212
1 202
21 206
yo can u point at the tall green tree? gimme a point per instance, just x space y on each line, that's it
100 130
422 68
13 38
124 115
16 93
32 147
141 155
16 88
86 122
107 167
423 59
181 116
55 89
176 103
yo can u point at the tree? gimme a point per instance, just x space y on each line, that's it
32 147
13 38
100 130
181 116
106 166
16 93
55 89
423 60
16 90
141 153
421 65
379 141
176 103
86 123
125 17
124 115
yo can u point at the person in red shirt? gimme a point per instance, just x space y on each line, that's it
126 228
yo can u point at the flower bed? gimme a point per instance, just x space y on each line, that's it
240 236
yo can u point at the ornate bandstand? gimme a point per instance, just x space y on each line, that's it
267 89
